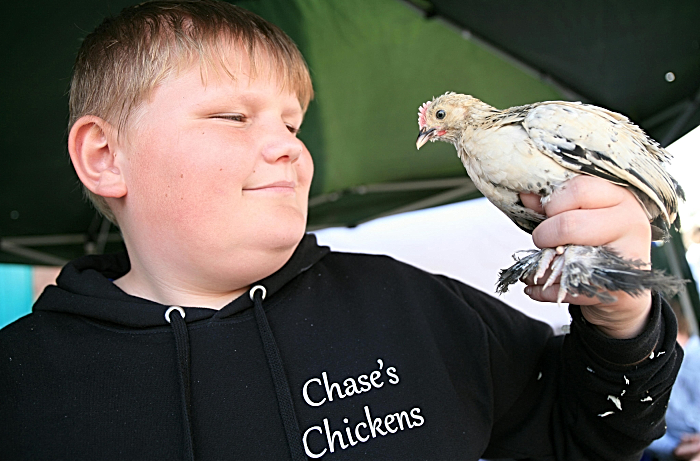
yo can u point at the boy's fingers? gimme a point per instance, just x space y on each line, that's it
624 227
584 192
551 294
532 201
589 227
530 280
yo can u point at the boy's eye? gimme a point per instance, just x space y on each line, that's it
233 117
293 129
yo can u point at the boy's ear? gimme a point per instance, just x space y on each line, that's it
92 150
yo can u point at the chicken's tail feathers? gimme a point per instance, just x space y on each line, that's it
679 190
680 193
660 230
523 267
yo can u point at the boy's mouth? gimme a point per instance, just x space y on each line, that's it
277 186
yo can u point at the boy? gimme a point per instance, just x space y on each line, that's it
226 333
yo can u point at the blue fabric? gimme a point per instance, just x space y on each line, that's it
683 414
15 292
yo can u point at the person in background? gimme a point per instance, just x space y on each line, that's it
692 255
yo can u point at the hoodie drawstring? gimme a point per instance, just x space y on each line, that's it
284 395
182 344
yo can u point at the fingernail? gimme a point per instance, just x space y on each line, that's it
528 291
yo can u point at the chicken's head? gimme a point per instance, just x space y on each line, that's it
443 118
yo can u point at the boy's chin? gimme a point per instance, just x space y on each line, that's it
282 229
282 238
272 235
247 261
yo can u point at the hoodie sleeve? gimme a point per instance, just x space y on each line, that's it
582 396
616 391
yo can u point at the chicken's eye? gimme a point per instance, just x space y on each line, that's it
440 114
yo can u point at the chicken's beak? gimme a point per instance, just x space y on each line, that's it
423 137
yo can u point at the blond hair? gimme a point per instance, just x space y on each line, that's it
127 56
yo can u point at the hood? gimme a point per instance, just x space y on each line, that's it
84 287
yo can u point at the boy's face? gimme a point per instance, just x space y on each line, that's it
216 177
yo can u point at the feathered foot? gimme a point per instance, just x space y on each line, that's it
587 270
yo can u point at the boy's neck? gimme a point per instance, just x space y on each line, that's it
174 294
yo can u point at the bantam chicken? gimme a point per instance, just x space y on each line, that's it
536 148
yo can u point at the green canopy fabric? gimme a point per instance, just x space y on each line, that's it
373 63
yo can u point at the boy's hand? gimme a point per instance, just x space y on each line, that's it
592 211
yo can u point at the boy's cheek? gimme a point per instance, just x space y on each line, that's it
305 169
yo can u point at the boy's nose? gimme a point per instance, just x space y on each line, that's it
282 146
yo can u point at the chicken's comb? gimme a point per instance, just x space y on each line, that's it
422 112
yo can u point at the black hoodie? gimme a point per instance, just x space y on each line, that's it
347 356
